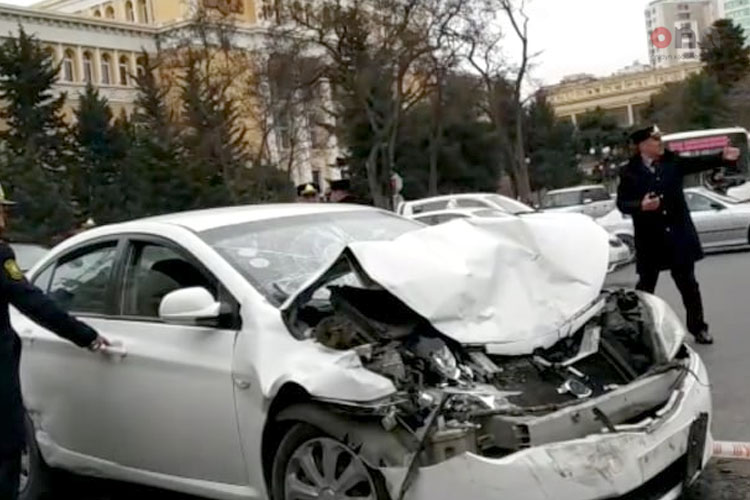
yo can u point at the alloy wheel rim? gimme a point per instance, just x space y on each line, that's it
325 469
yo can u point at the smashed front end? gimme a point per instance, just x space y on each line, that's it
478 418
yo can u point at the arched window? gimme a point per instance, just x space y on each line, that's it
124 70
129 12
97 13
110 12
106 69
68 67
142 11
140 67
88 68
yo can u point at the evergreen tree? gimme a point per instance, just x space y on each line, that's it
725 53
102 147
37 147
213 137
159 179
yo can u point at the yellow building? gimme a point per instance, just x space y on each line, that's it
621 95
101 41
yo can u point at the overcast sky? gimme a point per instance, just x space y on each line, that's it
577 36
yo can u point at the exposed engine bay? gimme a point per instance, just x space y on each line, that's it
612 371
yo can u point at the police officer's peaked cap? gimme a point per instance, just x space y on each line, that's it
645 133
308 189
341 185
3 200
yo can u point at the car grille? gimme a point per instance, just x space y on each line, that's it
661 484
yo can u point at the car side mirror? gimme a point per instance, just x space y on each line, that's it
189 306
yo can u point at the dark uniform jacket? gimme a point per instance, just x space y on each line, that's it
16 291
665 238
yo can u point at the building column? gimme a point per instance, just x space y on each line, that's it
60 57
98 67
574 119
631 115
79 64
116 67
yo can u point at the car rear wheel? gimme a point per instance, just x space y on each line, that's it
36 476
309 464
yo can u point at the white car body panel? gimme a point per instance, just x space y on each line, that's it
486 264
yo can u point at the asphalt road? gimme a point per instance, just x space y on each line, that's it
725 281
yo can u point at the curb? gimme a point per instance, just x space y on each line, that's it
728 449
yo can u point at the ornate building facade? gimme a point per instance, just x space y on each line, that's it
101 42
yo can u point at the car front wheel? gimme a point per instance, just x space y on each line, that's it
35 473
311 465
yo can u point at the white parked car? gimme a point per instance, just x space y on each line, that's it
722 222
594 201
620 254
330 351
465 200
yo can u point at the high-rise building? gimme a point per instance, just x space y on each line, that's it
674 29
736 10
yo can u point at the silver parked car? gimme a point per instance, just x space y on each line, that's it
594 201
464 200
722 222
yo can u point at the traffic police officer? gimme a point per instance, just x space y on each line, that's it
651 190
308 193
16 291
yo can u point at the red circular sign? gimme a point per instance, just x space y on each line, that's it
661 38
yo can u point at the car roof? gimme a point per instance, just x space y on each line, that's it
451 197
576 188
457 211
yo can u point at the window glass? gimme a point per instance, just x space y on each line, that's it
469 203
79 284
697 203
596 195
430 206
442 218
562 199
153 272
43 278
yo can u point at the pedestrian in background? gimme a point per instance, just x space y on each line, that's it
341 192
651 190
308 193
16 291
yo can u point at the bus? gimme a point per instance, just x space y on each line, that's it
710 141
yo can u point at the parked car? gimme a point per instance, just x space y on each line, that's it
620 254
594 201
28 254
331 351
722 222
466 200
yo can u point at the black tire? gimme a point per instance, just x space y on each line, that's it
299 435
38 474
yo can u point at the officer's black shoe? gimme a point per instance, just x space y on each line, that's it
703 337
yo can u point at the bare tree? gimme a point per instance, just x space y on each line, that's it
374 54
503 83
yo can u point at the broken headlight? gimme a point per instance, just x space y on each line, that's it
668 327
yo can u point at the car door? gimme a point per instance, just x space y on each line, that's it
714 223
62 385
596 202
168 401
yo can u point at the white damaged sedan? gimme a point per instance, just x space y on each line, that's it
340 352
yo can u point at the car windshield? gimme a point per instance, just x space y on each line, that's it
28 255
562 199
279 255
510 205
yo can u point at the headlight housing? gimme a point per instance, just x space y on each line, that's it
668 327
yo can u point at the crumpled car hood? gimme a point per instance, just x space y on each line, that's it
512 284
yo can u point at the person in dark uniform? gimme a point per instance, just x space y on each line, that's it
308 193
651 190
16 291
341 192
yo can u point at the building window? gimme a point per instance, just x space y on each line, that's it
143 11
88 68
106 70
97 13
140 67
683 16
129 12
267 10
69 74
110 12
124 70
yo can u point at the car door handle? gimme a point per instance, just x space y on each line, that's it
115 349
